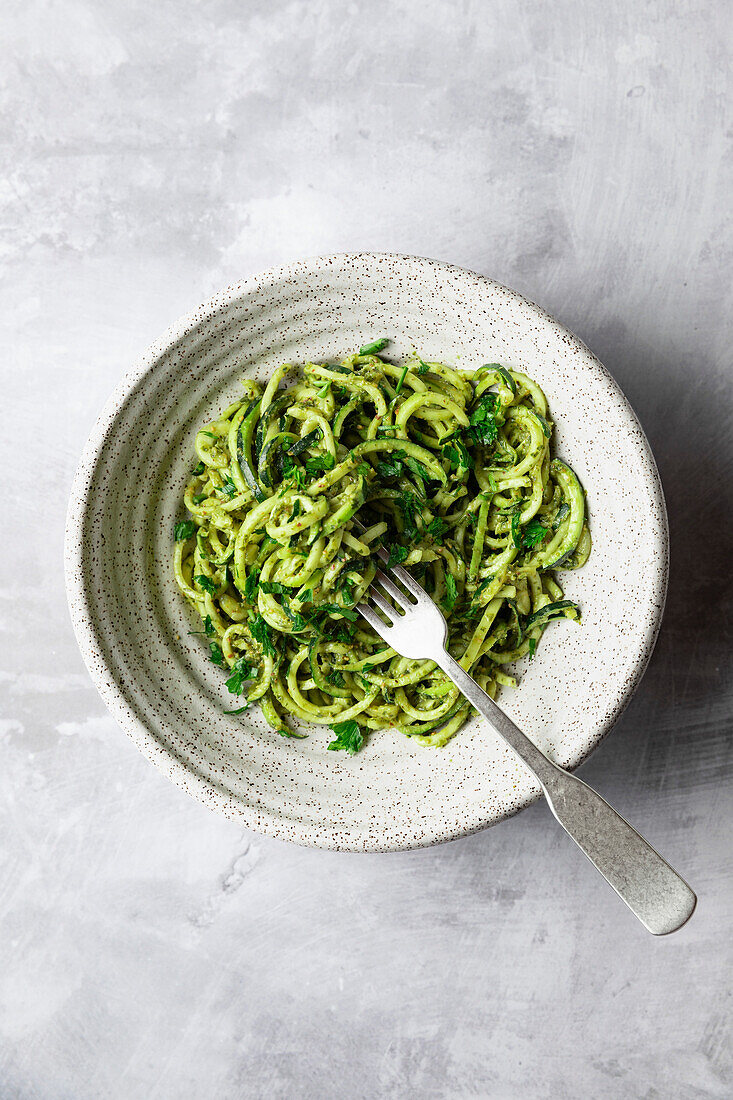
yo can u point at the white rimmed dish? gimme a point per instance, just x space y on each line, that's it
132 624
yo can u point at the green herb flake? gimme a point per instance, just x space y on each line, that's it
318 464
451 592
250 585
228 489
437 528
216 655
242 670
274 587
484 429
336 609
532 647
400 384
375 348
206 583
458 455
533 533
349 737
260 631
397 554
184 530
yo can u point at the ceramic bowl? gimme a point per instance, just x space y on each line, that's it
132 624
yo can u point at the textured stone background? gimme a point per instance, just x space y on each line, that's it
154 152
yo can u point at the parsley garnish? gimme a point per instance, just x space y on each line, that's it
261 633
242 670
402 379
228 489
417 469
336 609
250 585
391 469
184 530
483 428
206 583
208 630
375 348
408 505
349 737
276 588
423 368
533 533
451 592
458 455
437 528
397 554
216 654
318 464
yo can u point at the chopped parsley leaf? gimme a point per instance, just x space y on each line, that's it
402 380
228 489
397 554
184 530
260 631
349 737
451 592
318 464
533 533
374 348
206 583
250 585
242 670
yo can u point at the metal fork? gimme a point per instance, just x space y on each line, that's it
655 893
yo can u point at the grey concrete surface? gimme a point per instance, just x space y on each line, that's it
154 152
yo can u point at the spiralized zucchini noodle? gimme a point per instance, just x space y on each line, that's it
298 483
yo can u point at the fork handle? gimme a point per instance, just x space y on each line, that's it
653 891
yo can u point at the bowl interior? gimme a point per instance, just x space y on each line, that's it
133 624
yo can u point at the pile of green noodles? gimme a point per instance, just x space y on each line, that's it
449 471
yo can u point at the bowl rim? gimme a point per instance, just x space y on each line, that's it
76 582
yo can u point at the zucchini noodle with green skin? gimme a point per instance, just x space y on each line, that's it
300 480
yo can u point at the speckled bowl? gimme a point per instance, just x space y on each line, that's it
132 625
